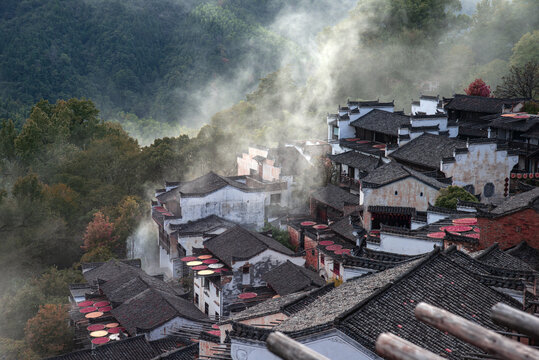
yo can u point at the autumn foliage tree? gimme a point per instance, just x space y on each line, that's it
478 88
48 332
99 233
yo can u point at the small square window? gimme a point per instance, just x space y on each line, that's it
396 192
421 194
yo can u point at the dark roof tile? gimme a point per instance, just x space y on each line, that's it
381 121
335 197
289 278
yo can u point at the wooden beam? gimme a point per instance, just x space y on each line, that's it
392 347
474 334
288 349
515 319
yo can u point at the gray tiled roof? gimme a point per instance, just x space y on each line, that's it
394 171
427 150
335 197
135 348
152 308
479 103
289 278
203 225
326 308
517 202
384 122
357 160
109 270
240 243
437 280
495 256
526 253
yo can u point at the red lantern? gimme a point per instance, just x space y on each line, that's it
519 176
536 175
525 176
531 175
513 176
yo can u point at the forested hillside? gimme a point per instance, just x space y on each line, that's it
134 56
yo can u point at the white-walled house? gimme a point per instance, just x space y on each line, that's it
428 105
246 257
391 193
480 165
240 200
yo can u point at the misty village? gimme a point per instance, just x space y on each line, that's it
269 179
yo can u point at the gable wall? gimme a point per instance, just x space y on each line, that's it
510 230
481 165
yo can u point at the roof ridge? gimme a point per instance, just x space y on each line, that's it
420 262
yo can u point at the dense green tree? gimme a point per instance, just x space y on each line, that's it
449 197
521 82
8 134
526 50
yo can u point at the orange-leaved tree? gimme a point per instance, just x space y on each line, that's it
48 333
478 88
100 233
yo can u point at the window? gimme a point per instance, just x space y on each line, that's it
275 199
336 268
396 192
351 172
206 283
335 132
217 292
206 309
421 193
196 299
322 258
246 278
216 315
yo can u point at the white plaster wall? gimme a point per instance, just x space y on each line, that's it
441 122
417 224
482 164
427 106
334 345
165 263
209 296
246 208
405 245
433 217
345 130
167 328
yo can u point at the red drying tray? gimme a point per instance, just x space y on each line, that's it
247 295
334 247
105 308
210 261
476 229
100 340
95 327
85 303
307 223
363 142
326 242
214 332
199 267
436 235
215 326
102 303
188 258
343 251
465 221
88 310
320 227
474 235
456 228
114 330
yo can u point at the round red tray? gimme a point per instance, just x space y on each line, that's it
105 308
88 310
465 221
199 267
214 332
247 295
210 261
436 235
85 303
320 227
114 330
307 223
456 228
343 251
102 303
101 340
334 247
326 242
474 235
95 327
188 258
